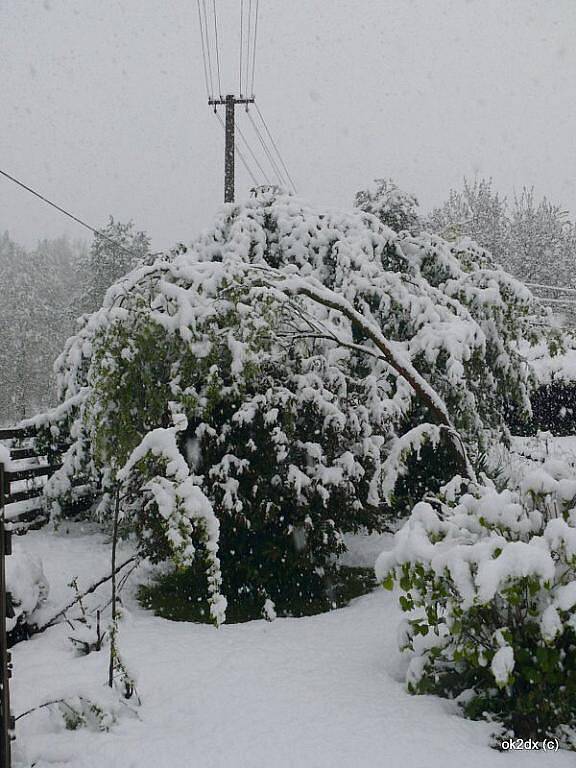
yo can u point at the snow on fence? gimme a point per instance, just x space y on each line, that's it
6 719
24 470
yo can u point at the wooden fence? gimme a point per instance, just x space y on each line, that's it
6 719
22 508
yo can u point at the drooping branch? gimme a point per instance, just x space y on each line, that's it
288 286
72 603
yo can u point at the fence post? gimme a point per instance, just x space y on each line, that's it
6 721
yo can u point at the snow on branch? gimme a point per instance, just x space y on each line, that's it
390 353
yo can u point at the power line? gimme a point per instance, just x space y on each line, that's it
241 45
208 46
71 215
217 47
262 171
208 93
248 45
240 155
264 123
271 160
254 45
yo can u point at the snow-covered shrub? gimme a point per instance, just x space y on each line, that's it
394 207
28 587
80 712
97 710
554 400
257 395
488 579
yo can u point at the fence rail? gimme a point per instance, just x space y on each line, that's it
22 508
6 719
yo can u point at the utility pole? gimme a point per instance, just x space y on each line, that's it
230 103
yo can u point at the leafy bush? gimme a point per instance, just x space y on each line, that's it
394 207
488 579
179 596
245 423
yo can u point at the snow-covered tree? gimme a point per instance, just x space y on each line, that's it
477 212
264 391
542 244
533 240
36 289
394 207
114 253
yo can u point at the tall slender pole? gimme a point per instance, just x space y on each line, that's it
114 623
229 151
230 103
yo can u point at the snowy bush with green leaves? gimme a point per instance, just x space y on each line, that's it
488 580
273 386
394 207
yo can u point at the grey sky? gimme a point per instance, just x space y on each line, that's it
104 105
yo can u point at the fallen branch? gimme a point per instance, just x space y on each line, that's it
93 588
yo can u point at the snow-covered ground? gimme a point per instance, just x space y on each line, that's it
323 691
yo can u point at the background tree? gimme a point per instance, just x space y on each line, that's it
107 262
476 211
534 240
35 319
541 241
42 292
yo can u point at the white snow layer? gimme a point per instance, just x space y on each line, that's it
317 692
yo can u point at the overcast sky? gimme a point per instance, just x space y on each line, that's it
103 104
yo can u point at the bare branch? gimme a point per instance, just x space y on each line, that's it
93 588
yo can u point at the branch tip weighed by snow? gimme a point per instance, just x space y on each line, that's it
92 588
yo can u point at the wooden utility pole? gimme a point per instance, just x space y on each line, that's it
230 103
6 721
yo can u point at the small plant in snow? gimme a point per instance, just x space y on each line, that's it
488 579
28 588
80 712
88 635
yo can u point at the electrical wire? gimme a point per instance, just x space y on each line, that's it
208 46
252 153
248 46
254 46
71 215
264 123
217 47
269 155
208 92
241 45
